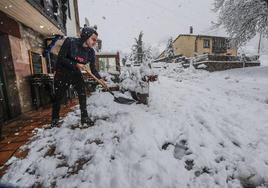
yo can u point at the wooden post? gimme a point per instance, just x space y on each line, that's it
259 46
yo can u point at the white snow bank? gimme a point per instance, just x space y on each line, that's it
264 60
200 130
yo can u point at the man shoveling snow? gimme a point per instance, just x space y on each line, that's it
74 54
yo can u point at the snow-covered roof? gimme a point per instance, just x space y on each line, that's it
201 36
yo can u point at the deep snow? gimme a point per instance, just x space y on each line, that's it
200 129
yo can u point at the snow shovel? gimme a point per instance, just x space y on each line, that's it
120 100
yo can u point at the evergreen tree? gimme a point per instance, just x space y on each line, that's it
169 52
139 53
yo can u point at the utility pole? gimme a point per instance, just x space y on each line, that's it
259 46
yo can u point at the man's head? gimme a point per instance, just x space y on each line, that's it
89 37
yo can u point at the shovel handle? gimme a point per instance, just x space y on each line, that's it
111 92
96 79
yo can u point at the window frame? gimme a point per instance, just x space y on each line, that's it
31 62
206 45
69 9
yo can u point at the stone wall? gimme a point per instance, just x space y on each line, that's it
20 48
9 75
220 66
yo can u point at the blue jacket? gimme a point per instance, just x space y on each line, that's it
72 52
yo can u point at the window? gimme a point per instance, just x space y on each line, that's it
36 63
54 6
107 64
228 44
99 45
53 61
206 43
42 3
219 45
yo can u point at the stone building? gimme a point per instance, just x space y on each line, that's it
26 27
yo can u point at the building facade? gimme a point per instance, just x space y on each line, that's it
25 27
192 45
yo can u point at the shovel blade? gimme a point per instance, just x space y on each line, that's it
123 100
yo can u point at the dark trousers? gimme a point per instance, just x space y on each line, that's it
62 81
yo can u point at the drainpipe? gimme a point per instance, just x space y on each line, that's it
259 46
195 44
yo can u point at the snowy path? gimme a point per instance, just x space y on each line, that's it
200 130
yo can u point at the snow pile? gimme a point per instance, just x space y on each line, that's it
264 60
107 76
130 78
200 130
111 79
177 72
133 78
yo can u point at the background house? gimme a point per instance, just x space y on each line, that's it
192 45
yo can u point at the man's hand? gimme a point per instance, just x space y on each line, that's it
80 66
103 83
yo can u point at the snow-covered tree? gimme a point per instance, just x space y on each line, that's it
169 52
135 79
155 51
139 53
243 19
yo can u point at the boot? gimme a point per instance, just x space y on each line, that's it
54 123
86 122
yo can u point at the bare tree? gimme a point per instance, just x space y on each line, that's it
243 19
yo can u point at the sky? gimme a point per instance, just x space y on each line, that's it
120 21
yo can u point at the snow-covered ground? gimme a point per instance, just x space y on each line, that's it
264 60
200 130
